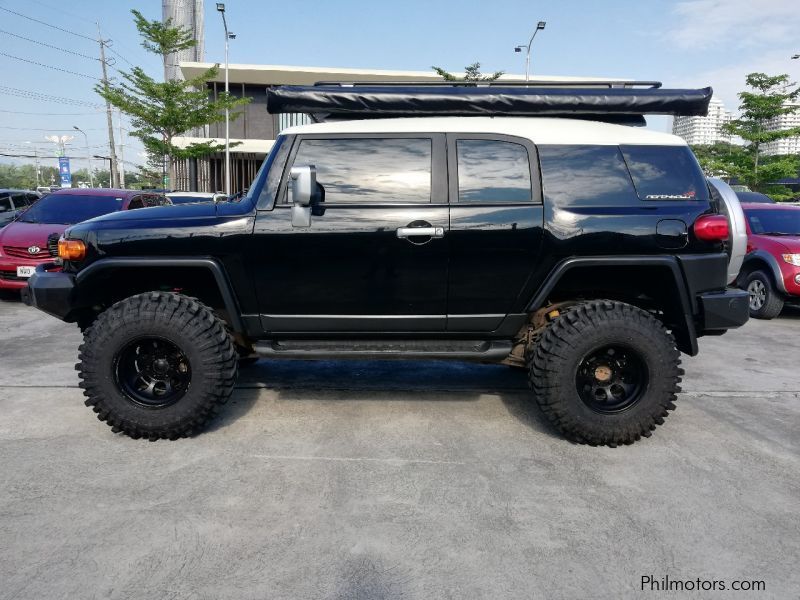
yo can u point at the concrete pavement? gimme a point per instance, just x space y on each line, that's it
397 480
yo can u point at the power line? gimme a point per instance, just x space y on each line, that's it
49 128
110 49
80 35
11 91
38 64
45 114
49 45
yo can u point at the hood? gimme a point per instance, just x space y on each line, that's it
790 242
175 211
29 234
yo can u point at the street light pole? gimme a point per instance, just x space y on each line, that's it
221 9
88 156
110 165
540 25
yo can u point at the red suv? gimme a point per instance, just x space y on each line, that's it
771 268
32 238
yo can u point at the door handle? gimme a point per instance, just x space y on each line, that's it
407 232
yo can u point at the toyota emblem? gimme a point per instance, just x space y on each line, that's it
34 250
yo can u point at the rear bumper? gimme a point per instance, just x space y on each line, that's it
723 310
51 292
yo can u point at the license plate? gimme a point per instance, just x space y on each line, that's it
25 271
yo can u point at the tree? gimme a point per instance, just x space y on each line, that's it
771 97
722 159
471 73
160 111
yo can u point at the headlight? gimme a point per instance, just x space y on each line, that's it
792 259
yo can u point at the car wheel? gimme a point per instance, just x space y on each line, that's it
605 372
157 365
765 302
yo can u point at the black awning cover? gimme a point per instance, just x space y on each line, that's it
421 101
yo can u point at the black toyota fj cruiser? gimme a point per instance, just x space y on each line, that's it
517 225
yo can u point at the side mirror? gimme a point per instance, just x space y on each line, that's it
304 186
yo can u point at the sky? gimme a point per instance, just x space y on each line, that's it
681 43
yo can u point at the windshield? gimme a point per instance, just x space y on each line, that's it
68 209
774 222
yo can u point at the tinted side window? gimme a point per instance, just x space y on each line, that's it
370 169
136 203
493 171
5 204
665 173
585 176
20 201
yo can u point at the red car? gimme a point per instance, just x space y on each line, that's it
771 268
32 238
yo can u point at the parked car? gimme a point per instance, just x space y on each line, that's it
32 238
754 198
771 268
588 253
13 202
193 197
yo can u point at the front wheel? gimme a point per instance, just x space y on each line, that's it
765 302
605 372
157 365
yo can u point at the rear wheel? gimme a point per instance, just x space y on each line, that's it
765 302
157 365
605 373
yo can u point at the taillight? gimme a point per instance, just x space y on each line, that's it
711 228
71 249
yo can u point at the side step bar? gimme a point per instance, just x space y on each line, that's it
480 350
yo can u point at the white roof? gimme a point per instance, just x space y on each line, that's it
246 146
305 75
541 130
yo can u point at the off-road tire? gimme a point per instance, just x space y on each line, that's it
191 327
772 301
562 347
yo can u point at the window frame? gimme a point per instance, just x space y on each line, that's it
439 188
533 165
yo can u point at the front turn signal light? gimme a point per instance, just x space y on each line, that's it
74 250
792 259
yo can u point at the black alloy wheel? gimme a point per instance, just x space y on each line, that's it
611 379
153 372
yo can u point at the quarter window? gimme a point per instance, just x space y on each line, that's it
665 173
493 171
367 170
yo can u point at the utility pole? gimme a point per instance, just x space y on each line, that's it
121 152
111 150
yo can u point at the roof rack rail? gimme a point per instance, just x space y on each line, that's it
622 83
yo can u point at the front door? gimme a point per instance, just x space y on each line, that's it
360 266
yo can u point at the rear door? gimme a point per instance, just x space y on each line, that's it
496 219
359 266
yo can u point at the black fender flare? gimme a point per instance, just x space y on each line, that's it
687 342
771 261
208 263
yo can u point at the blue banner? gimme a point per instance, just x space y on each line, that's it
63 169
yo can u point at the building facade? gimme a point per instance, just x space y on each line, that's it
789 145
704 130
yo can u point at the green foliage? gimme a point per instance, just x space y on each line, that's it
159 111
24 176
471 73
162 37
769 98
